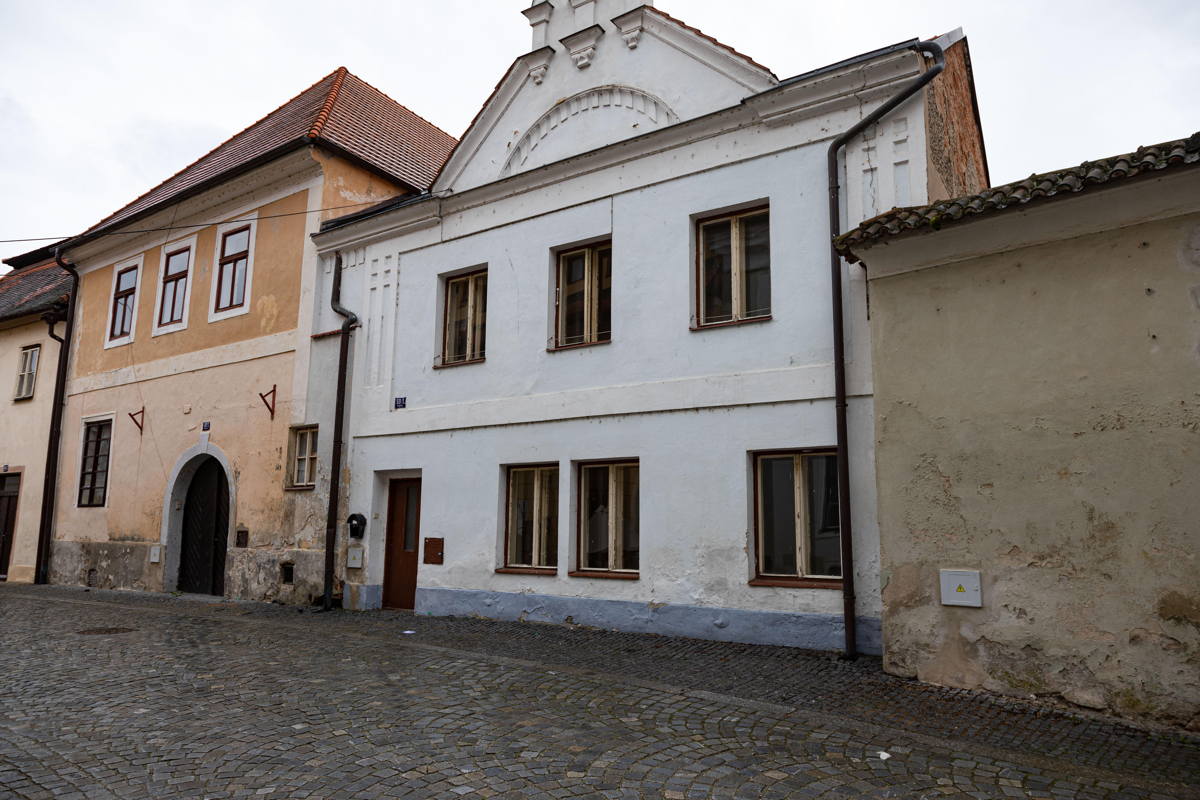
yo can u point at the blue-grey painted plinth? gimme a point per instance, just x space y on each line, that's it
812 631
362 596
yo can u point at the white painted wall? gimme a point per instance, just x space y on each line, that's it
690 405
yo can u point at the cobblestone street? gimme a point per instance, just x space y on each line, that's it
121 695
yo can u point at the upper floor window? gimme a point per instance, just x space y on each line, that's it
798 535
583 296
531 531
122 307
172 310
27 367
734 280
93 472
124 294
464 335
609 517
231 269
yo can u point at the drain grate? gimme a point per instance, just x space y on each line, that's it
104 631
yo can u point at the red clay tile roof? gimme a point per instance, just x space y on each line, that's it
33 290
340 110
1145 160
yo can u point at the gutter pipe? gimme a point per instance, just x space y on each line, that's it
339 414
41 570
933 50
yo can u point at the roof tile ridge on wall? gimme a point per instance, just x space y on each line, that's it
249 127
330 99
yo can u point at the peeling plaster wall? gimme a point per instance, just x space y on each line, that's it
115 540
1038 419
954 142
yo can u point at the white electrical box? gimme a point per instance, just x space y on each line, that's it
960 587
354 557
155 553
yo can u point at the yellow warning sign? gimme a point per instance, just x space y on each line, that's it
960 588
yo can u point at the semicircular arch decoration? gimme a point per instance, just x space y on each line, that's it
588 101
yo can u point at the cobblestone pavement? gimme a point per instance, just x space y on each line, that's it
122 695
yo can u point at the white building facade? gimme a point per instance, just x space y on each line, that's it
593 376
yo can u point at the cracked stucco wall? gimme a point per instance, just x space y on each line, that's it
1038 419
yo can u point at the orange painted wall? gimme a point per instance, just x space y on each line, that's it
274 296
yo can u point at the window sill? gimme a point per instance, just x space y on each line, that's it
307 488
560 347
527 571
731 323
798 583
24 399
459 363
603 573
174 327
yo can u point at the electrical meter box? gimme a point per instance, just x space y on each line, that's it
960 587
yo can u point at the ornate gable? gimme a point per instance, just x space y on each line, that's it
601 71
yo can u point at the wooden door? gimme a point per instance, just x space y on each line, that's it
403 543
205 531
10 489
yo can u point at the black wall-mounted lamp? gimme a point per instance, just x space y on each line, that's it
358 525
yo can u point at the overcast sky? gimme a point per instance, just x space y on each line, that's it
99 101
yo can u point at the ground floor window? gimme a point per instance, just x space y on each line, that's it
532 527
303 447
798 535
608 517
93 474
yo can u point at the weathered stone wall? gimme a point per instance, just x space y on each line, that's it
1038 419
954 140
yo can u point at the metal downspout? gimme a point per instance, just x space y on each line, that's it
839 335
41 570
335 469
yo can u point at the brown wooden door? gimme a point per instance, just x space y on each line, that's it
10 489
403 543
205 531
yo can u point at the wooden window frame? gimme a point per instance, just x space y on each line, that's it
527 569
582 571
591 301
801 580
473 356
94 469
118 295
224 259
25 388
735 270
183 280
119 269
311 435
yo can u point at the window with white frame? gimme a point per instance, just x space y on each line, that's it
798 535
531 532
464 334
232 265
609 517
583 296
27 367
734 267
302 471
123 299
172 305
93 471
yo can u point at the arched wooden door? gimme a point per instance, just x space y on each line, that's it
205 531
